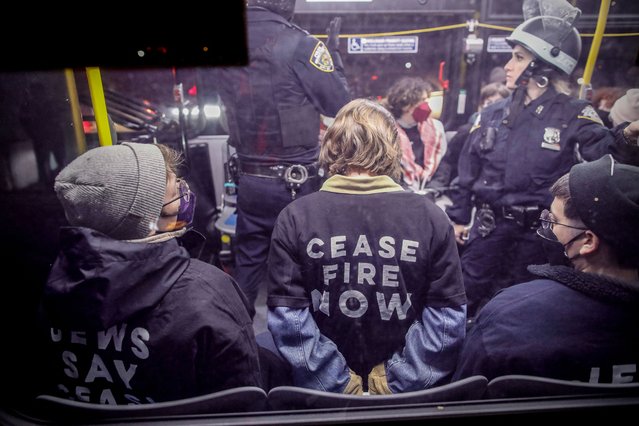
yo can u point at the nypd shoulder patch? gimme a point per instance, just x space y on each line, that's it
321 58
589 113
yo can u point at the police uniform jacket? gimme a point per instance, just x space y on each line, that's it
366 258
507 163
132 322
273 105
567 325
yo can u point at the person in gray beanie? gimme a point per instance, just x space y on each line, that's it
573 323
127 315
118 190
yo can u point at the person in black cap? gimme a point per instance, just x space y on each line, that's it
518 147
580 322
127 315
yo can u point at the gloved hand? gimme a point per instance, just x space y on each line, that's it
333 31
354 386
377 383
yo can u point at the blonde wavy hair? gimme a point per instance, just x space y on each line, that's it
362 137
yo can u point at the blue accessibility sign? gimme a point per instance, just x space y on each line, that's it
395 44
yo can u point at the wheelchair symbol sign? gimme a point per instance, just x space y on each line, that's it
376 45
354 44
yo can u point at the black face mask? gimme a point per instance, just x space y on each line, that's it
553 249
554 253
572 240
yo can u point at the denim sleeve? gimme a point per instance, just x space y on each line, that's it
432 347
315 360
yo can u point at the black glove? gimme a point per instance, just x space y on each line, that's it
333 30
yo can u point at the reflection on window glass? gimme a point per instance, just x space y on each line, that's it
49 117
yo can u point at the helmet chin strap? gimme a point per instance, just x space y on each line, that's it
535 71
538 73
519 95
526 74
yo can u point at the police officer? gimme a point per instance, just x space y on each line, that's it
517 149
273 107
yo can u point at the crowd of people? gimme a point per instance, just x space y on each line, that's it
372 288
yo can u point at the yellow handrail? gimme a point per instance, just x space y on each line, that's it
594 48
463 25
99 105
76 114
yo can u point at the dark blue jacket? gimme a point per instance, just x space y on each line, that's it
133 322
567 325
274 104
505 164
374 255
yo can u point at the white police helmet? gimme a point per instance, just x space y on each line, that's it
552 40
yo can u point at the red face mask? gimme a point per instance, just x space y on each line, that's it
421 112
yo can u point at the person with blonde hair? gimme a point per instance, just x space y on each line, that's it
364 277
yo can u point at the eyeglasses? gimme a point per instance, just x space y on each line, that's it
184 191
548 222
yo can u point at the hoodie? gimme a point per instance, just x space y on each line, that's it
131 322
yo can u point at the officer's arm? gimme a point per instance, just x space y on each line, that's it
595 140
332 42
631 133
324 83
627 150
468 168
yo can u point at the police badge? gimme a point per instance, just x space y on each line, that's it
321 58
551 139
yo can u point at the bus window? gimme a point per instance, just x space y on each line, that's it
48 118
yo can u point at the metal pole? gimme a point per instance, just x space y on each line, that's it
99 105
78 130
594 48
178 95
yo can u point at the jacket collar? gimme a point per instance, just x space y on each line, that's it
597 286
541 105
260 14
360 184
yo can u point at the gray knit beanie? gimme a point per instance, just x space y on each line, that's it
626 108
117 190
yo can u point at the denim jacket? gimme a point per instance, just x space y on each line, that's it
428 358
